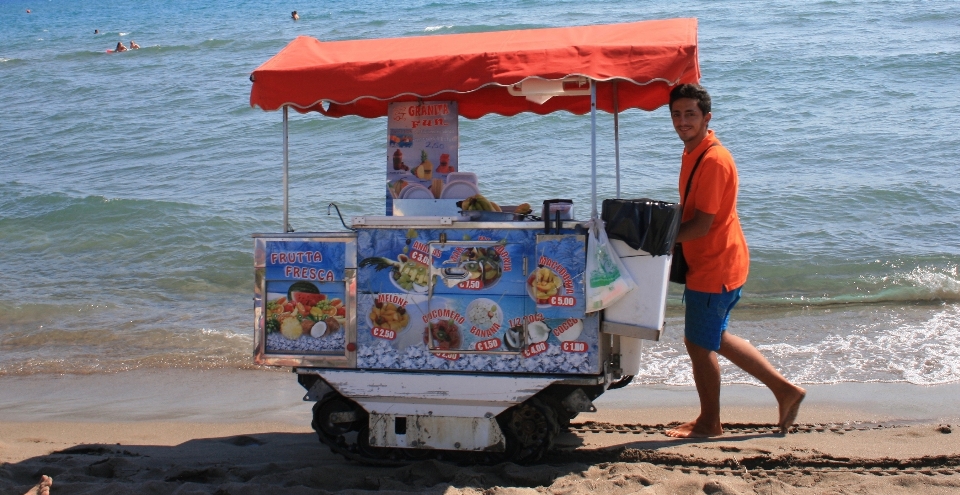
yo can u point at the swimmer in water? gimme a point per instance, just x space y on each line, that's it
120 47
293 15
134 45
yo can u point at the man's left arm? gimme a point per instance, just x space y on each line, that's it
709 189
696 227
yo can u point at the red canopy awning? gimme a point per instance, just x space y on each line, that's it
360 77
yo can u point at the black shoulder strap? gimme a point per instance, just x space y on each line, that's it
683 199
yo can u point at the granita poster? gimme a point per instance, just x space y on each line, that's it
422 142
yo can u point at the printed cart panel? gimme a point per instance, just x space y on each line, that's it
401 260
473 268
444 324
555 282
457 332
304 317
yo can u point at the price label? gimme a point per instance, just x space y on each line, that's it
534 349
420 257
486 345
563 301
471 284
447 355
573 346
383 333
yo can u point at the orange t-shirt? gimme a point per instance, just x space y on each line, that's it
719 260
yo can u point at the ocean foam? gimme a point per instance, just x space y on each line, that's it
855 345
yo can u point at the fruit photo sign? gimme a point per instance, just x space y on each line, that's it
422 143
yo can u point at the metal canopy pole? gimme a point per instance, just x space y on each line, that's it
616 134
286 189
593 148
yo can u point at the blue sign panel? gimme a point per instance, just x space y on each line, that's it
507 301
403 331
402 260
555 282
479 268
305 260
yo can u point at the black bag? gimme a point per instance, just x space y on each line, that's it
678 265
642 224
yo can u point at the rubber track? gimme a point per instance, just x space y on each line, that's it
740 428
760 465
346 451
749 466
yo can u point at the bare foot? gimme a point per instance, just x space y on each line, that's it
42 488
694 429
789 407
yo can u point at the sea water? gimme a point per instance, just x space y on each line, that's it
130 183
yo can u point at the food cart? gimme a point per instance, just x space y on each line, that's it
434 328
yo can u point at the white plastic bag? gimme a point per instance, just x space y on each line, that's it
607 279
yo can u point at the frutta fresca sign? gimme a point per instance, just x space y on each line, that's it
304 260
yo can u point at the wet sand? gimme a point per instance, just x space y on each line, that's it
248 432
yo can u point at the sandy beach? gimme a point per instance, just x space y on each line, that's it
235 432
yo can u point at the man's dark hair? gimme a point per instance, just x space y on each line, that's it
694 92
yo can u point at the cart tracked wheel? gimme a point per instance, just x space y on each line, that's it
416 454
531 428
369 451
563 415
328 417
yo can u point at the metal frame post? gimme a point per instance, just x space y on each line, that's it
616 134
593 149
286 188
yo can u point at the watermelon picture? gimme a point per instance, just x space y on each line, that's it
308 299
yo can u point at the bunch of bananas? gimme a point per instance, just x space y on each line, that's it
478 203
523 209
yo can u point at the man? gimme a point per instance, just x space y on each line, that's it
718 259
134 45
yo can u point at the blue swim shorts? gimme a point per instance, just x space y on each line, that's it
707 315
